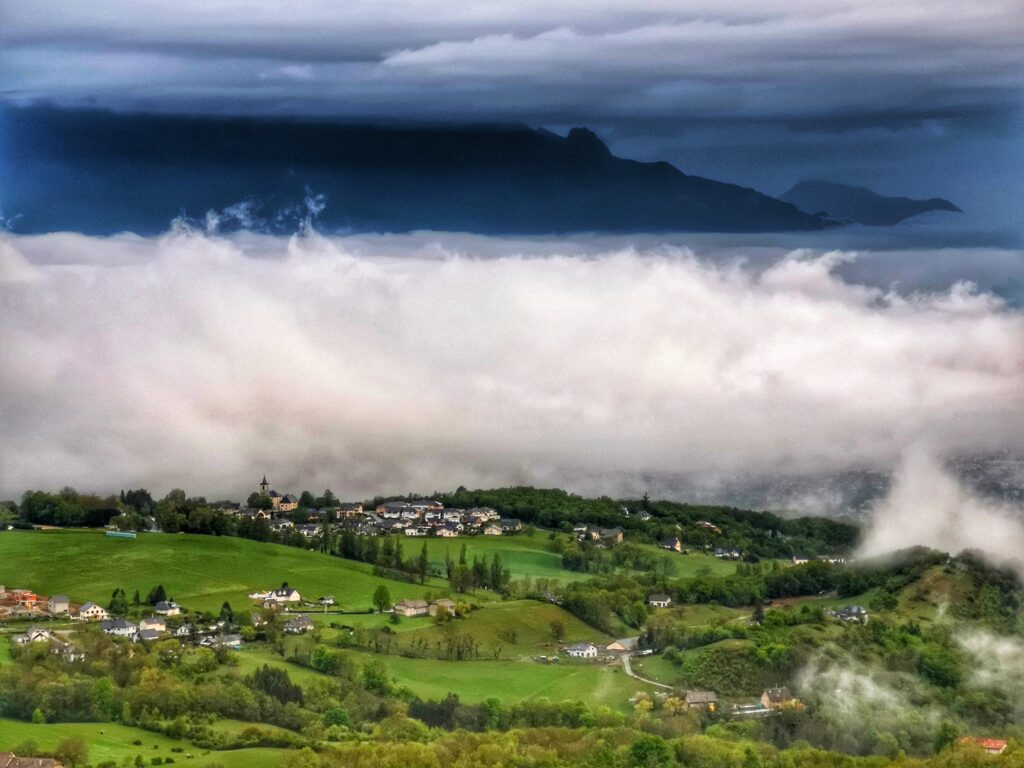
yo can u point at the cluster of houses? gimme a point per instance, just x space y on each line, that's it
156 628
675 544
419 517
584 532
591 651
804 559
854 614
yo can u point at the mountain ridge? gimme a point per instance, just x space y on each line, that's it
101 172
860 205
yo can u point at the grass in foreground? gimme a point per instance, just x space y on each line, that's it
110 741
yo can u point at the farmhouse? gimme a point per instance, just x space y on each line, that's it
801 559
611 534
851 613
442 605
10 760
326 600
285 594
153 622
659 601
706 700
623 645
511 525
582 651
991 746
776 698
92 612
300 625
492 530
167 608
186 630
34 635
412 608
118 627
147 635
673 544
58 604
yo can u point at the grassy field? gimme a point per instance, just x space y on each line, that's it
110 741
529 555
517 627
524 555
510 681
513 681
200 572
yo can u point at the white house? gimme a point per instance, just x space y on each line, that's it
34 635
659 601
118 627
92 612
286 595
582 651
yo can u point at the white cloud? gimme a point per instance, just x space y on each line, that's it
927 506
375 364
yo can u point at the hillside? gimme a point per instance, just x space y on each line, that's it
859 204
102 173
200 572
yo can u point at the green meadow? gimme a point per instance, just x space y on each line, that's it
525 555
110 741
529 555
511 681
200 572
516 627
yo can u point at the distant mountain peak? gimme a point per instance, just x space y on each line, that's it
102 172
860 205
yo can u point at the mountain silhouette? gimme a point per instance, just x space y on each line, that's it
859 204
101 172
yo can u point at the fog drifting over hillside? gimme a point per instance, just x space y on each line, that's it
378 364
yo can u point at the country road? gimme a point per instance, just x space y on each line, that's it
629 671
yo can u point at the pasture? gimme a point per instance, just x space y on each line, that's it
110 741
200 572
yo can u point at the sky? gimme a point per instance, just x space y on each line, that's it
204 358
914 97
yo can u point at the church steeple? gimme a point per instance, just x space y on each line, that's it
264 486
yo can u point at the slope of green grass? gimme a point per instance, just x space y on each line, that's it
524 555
514 681
510 681
526 622
200 572
517 627
110 741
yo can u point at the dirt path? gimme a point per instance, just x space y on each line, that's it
629 671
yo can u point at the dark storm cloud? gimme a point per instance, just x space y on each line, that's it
791 58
